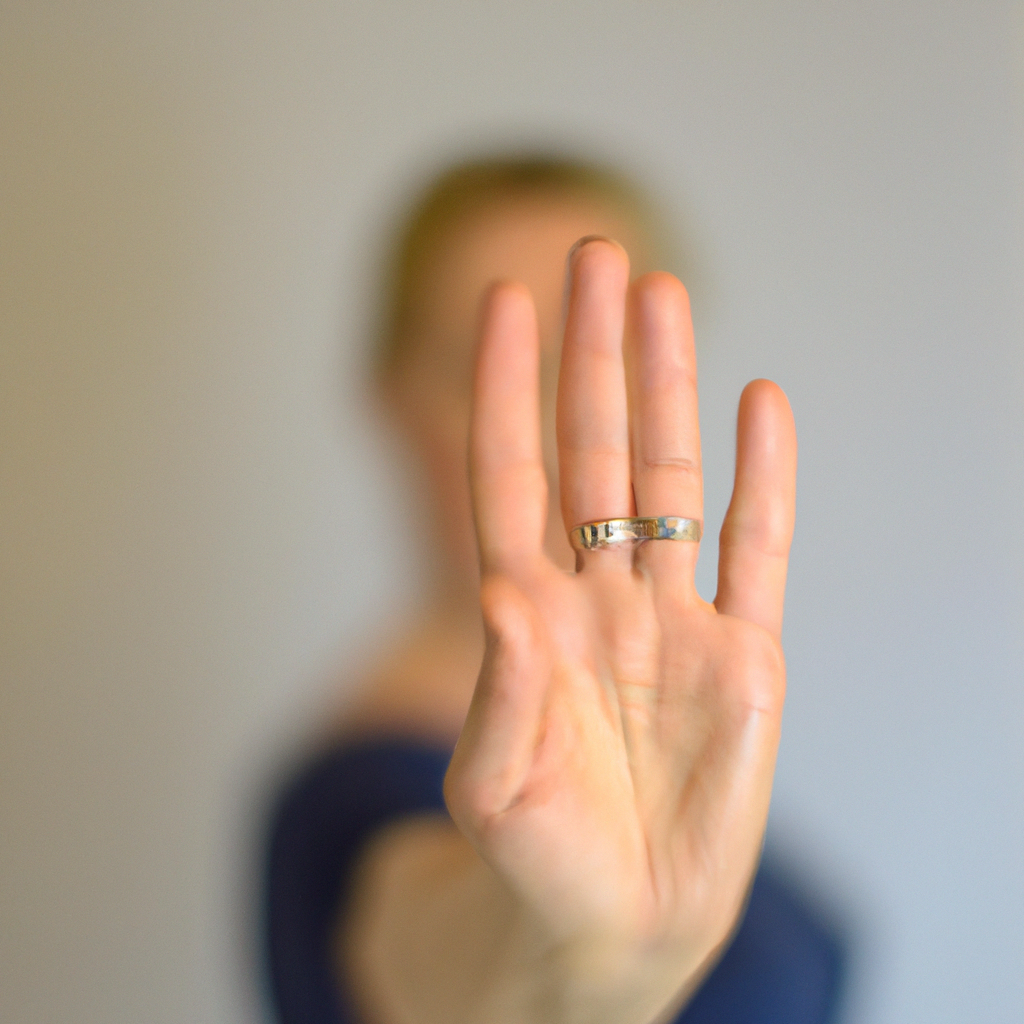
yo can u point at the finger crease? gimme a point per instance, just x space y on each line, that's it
671 461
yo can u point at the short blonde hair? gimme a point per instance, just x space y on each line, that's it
475 184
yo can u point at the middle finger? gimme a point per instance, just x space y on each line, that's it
592 417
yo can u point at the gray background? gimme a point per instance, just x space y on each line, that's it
191 195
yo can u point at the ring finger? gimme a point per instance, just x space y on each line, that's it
666 460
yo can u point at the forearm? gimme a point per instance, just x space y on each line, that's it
435 936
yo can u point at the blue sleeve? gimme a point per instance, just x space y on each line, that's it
783 966
320 825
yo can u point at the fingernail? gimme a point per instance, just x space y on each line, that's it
582 242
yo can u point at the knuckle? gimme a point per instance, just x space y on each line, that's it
494 597
466 802
505 614
767 533
473 805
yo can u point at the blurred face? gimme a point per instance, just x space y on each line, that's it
525 239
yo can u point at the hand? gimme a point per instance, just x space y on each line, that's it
616 764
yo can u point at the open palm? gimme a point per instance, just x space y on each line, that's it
615 767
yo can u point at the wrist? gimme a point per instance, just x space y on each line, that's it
590 979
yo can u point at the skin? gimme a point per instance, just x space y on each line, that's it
611 779
424 686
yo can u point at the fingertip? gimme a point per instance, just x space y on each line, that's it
581 243
596 253
765 385
661 286
503 292
506 310
659 308
764 393
766 415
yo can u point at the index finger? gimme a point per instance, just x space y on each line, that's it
506 466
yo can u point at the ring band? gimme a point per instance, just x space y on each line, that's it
606 532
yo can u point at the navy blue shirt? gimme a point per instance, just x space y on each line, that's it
783 966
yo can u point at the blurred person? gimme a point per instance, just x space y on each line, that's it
590 851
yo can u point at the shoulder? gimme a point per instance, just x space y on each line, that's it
323 820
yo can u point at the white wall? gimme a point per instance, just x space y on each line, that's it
189 195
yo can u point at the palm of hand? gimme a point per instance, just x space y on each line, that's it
616 764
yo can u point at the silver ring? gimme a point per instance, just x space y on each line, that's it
606 532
